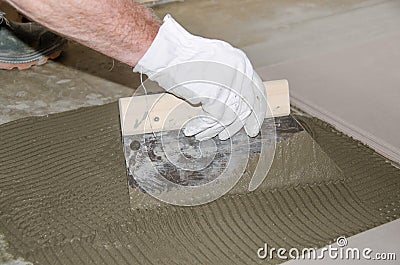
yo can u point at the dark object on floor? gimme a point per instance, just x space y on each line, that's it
23 45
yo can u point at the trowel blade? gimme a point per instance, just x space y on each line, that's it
184 161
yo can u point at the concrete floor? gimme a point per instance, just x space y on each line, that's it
341 57
334 53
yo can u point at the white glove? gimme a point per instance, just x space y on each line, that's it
229 90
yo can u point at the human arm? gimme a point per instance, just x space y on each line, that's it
128 32
121 29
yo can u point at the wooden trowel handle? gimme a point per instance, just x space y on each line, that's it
160 112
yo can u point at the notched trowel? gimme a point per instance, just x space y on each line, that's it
179 170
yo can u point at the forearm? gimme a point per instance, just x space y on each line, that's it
122 29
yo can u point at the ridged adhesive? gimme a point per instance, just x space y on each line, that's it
64 200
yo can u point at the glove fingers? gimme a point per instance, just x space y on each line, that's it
211 123
256 118
253 123
230 122
210 132
220 111
246 109
252 126
198 124
231 118
231 130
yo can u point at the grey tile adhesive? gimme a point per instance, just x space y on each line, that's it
64 198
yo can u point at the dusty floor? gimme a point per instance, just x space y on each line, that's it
82 77
335 54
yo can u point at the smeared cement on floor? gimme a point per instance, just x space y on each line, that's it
6 258
63 85
64 200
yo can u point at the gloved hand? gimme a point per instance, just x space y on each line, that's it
229 90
